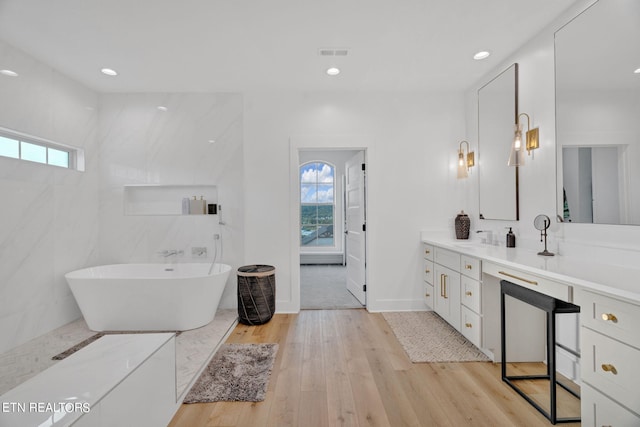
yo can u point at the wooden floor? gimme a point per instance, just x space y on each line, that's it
346 368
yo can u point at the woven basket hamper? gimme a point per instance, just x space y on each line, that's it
256 294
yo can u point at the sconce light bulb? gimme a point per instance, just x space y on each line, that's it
517 143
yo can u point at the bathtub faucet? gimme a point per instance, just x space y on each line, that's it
168 252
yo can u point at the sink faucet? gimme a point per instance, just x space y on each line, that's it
489 236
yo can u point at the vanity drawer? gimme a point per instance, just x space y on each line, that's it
554 289
614 318
470 325
611 367
470 290
598 410
427 251
428 295
427 271
470 267
447 258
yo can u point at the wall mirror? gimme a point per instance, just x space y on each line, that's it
598 115
497 113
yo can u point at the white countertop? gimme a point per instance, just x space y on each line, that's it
618 281
79 381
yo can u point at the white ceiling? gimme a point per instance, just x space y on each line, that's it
244 45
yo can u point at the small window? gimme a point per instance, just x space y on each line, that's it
25 147
9 147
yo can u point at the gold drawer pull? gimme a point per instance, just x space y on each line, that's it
427 251
427 295
468 325
427 271
609 317
519 278
468 266
609 368
468 293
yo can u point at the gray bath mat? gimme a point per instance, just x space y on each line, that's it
426 337
68 352
237 373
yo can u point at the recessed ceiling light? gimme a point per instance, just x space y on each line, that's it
162 108
637 71
481 55
212 141
333 71
9 73
109 72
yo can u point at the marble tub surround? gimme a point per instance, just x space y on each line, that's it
193 349
595 274
142 145
49 214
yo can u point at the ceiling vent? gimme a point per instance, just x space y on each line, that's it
333 51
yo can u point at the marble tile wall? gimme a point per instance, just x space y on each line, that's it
141 144
48 215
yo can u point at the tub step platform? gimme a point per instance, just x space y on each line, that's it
125 379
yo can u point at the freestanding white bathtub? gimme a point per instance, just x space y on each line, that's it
148 297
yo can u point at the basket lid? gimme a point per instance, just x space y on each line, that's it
256 270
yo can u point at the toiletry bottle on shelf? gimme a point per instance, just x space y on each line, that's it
204 205
511 239
186 207
195 207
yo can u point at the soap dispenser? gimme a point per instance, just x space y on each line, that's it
511 239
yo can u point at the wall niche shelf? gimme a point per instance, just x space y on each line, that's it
156 199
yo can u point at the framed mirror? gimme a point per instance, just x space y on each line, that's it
497 115
597 58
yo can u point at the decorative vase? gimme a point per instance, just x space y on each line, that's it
462 225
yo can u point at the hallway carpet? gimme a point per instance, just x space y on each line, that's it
325 287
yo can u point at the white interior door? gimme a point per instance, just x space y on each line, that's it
356 226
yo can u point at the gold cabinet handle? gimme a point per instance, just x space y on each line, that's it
468 325
427 251
442 285
427 271
445 287
519 278
468 293
468 266
427 295
607 367
609 317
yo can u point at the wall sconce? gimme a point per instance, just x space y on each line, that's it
465 162
516 157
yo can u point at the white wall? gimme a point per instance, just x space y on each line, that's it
140 144
48 215
617 244
411 142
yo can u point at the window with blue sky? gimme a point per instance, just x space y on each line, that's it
317 204
14 146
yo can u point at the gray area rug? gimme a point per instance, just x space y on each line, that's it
237 373
426 337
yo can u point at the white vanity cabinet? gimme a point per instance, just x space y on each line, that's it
470 298
447 298
452 289
447 285
610 344
427 275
